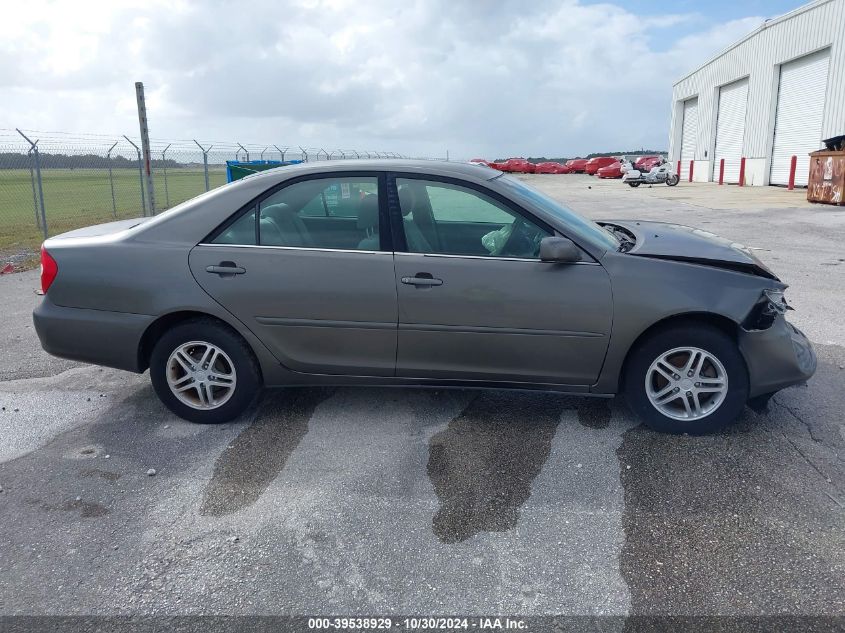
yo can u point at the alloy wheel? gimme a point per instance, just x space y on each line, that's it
201 375
686 383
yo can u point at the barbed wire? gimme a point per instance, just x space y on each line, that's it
53 141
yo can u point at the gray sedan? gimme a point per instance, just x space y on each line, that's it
419 273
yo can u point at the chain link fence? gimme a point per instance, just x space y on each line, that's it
51 183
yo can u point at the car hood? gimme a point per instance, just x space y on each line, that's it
677 242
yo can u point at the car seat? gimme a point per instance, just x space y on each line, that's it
368 220
289 229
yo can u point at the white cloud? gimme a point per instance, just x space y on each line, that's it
417 77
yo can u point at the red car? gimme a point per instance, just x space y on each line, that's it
645 163
550 168
519 166
610 171
577 165
594 164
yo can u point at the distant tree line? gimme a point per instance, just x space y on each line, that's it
636 152
16 160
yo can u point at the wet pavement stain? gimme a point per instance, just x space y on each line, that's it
256 457
594 413
482 465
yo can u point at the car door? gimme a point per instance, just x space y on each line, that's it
279 267
475 301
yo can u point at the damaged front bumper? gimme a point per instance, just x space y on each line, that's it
777 357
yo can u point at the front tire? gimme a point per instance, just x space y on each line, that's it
686 379
204 372
673 180
634 184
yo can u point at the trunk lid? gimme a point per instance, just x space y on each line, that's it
98 230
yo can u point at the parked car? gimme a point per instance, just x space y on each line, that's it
614 170
501 166
519 166
594 164
645 163
550 168
399 272
576 165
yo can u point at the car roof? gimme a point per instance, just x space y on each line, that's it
434 167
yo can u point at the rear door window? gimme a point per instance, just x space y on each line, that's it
332 213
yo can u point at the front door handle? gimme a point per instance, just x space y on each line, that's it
422 281
226 268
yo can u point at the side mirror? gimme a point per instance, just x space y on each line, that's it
559 249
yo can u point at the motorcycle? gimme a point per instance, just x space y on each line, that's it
663 172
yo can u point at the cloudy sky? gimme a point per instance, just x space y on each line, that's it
477 77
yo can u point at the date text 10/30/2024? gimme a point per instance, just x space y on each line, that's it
420 623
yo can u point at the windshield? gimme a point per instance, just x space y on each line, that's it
581 225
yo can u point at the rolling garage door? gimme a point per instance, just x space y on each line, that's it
730 128
690 132
798 124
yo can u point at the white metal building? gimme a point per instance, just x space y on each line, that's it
773 95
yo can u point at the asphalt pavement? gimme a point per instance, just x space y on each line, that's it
412 501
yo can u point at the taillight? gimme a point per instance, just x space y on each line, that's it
49 269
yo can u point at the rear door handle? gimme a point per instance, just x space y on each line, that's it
226 268
422 281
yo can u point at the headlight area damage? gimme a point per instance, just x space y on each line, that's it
777 353
772 302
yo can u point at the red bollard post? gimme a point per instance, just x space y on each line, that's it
742 171
792 165
678 170
722 171
691 166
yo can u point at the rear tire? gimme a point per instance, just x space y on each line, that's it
661 390
204 372
634 184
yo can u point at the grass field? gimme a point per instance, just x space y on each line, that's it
79 197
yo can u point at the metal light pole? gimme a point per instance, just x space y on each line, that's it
164 167
111 181
34 150
140 174
145 144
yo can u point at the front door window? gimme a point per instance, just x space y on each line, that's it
443 218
